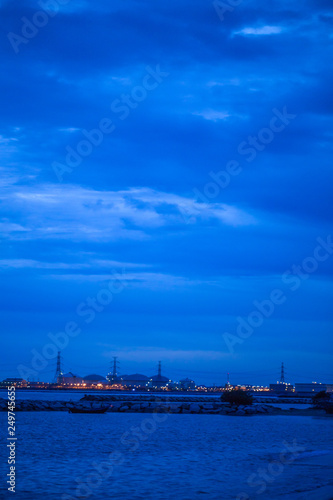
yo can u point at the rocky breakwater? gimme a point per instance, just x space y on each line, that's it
32 405
172 407
192 398
150 398
281 400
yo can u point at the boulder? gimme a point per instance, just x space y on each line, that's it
57 405
250 410
195 408
124 408
177 409
207 407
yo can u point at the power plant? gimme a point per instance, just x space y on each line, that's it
138 381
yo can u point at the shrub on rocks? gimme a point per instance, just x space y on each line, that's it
320 399
237 397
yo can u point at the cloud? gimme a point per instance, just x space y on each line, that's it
263 30
77 213
144 353
213 115
88 264
69 130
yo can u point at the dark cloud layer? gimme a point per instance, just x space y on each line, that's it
195 254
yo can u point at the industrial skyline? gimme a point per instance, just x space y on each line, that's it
115 370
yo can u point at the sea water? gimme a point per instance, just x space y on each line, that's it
143 456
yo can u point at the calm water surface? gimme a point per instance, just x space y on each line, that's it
184 456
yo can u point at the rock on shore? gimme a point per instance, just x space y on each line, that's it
154 405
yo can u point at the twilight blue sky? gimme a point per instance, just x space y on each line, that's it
193 256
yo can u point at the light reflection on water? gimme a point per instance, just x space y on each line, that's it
184 457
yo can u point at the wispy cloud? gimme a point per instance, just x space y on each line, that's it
144 354
134 280
76 213
262 30
212 114
88 264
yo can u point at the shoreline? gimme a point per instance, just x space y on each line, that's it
322 460
170 407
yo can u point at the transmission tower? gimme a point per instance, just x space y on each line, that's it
59 373
115 365
113 375
282 380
